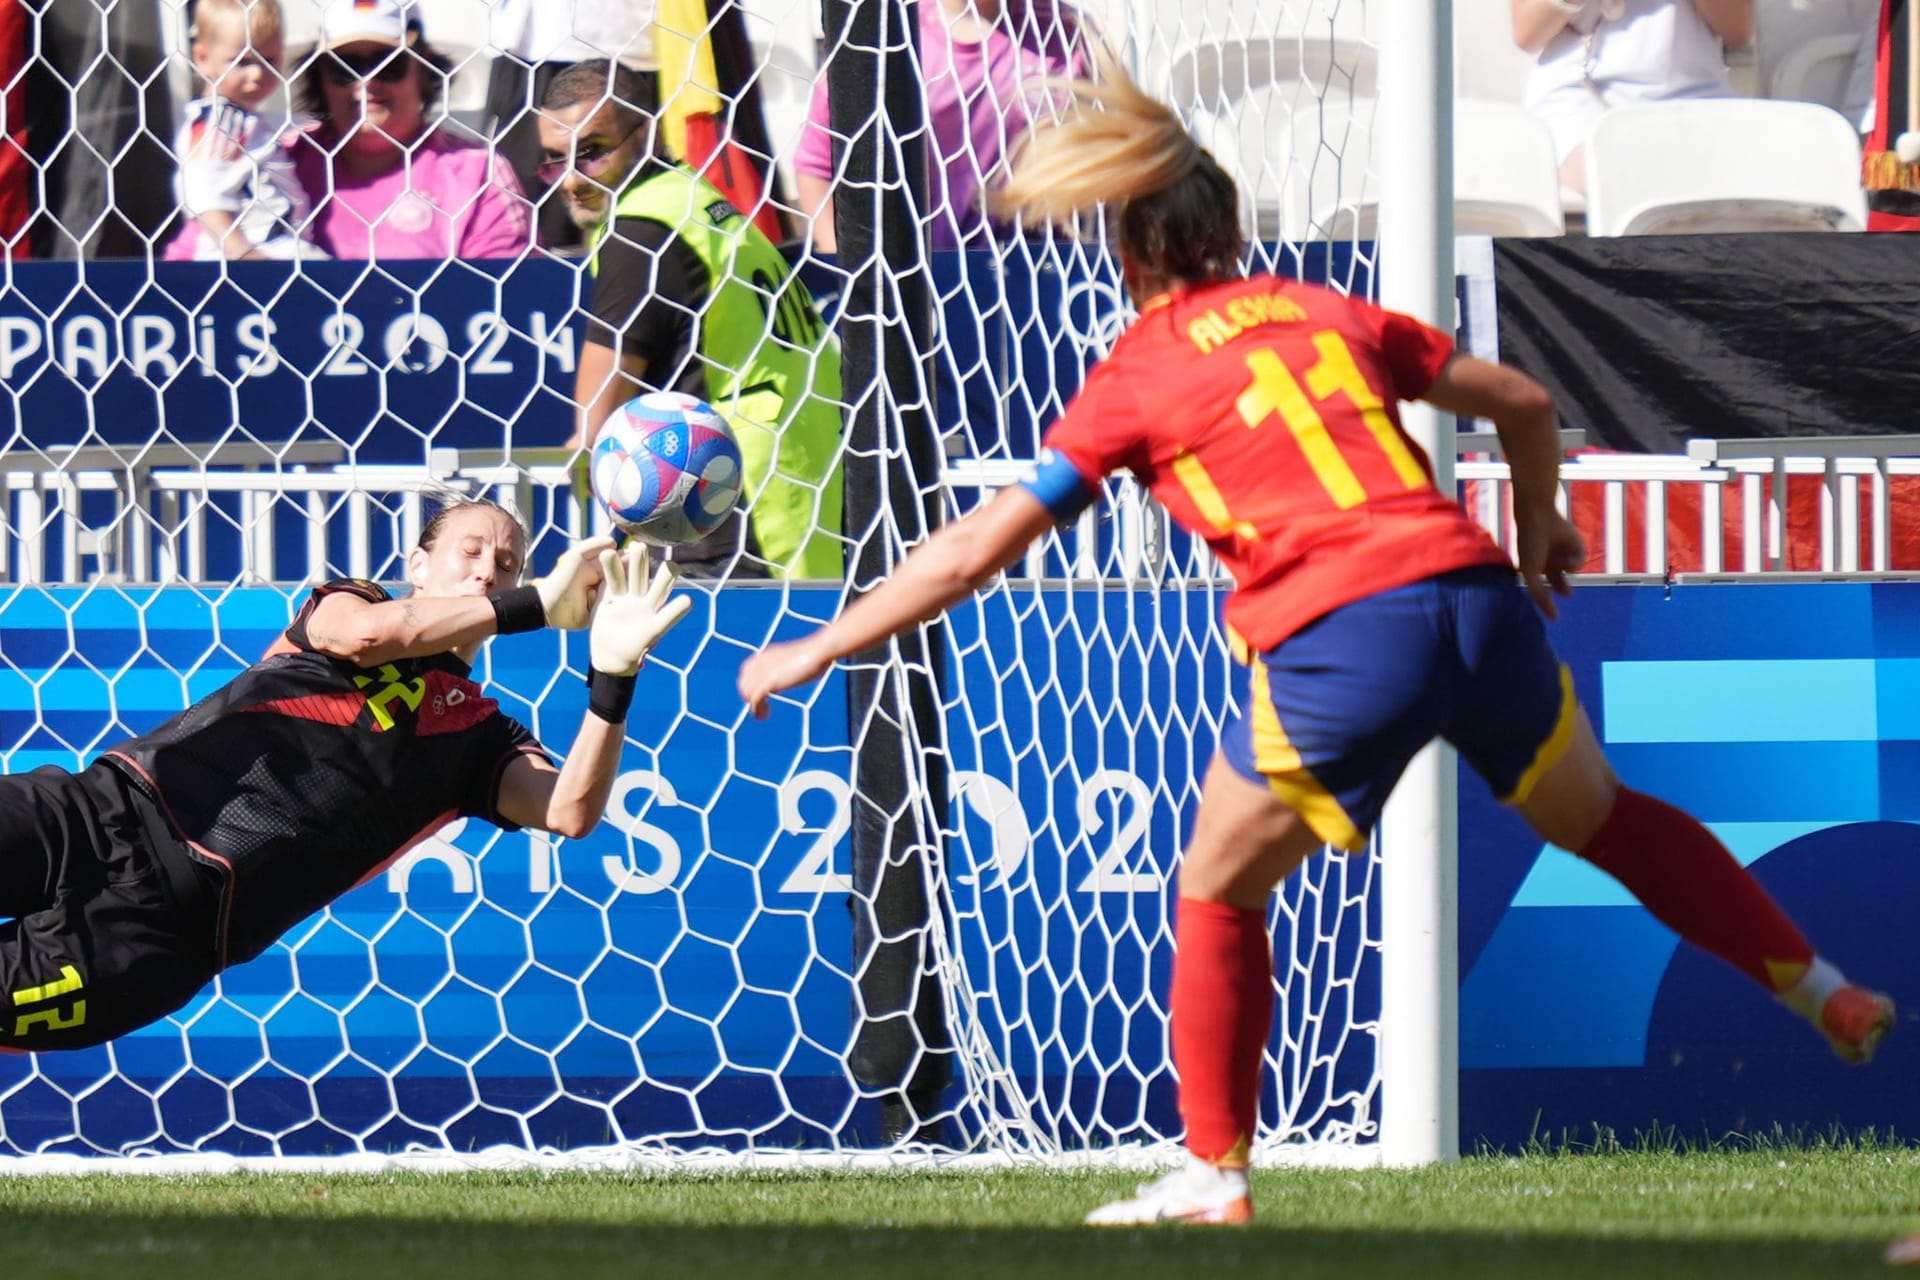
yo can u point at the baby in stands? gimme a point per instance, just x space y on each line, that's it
236 183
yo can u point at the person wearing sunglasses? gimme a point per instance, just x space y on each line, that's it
534 41
689 296
384 180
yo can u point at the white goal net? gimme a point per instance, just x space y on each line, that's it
194 444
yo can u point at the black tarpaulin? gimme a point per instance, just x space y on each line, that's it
1647 341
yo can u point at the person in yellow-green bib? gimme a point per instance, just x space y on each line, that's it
688 296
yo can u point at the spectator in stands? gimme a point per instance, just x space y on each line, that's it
236 184
535 43
689 296
979 59
1598 54
385 182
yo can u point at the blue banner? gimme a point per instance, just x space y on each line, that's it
1783 716
385 359
394 359
684 969
391 359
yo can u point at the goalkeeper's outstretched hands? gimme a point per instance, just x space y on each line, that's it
634 611
570 588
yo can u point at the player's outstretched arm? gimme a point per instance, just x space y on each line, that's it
1549 547
942 571
635 610
367 634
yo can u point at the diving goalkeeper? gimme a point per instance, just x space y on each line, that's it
193 847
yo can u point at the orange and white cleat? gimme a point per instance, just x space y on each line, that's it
1854 1021
1903 1253
1197 1194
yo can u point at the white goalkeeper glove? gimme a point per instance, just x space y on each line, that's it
568 591
634 611
216 171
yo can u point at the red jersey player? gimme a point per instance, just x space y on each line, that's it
1369 617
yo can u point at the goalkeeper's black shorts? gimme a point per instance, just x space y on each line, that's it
112 928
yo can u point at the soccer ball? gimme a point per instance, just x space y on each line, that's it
667 468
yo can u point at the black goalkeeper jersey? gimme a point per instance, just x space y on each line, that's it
307 775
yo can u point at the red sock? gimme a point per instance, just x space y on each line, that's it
1222 1010
1691 884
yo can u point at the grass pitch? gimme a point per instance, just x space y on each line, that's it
1744 1214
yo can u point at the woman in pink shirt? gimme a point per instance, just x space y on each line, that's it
381 185
978 59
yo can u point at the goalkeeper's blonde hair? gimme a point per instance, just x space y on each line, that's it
1115 146
449 502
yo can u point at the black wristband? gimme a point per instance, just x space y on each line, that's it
517 609
609 696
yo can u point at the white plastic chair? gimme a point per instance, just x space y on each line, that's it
1302 166
1817 71
1783 28
1723 164
1506 180
465 99
1214 75
1308 172
1206 54
1280 91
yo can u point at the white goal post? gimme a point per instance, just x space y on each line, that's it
1419 1005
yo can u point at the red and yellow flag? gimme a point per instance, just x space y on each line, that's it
702 110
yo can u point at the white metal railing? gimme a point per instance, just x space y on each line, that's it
306 512
1856 470
45 531
166 507
1842 464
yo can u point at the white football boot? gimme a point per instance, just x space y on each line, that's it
1197 1193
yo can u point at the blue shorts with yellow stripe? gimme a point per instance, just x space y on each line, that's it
1333 713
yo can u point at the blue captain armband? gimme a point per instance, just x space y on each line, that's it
1059 486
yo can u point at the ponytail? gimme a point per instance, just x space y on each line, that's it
1117 146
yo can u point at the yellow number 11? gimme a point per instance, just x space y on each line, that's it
1274 389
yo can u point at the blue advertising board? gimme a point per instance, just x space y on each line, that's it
394 358
387 359
1784 716
684 969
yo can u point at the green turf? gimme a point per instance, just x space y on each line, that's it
1746 1214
